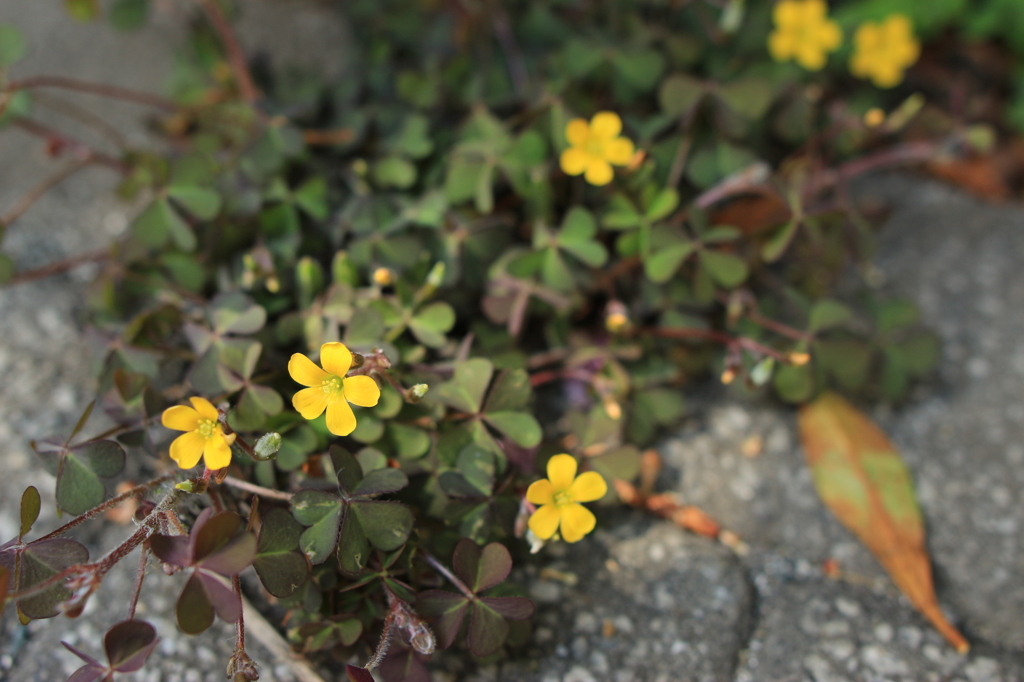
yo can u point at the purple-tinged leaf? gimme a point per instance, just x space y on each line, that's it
447 609
513 608
5 581
214 534
224 600
30 506
128 644
172 549
487 630
481 569
84 656
40 561
193 610
404 664
232 558
105 457
355 674
87 673
381 481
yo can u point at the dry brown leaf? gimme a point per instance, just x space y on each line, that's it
862 479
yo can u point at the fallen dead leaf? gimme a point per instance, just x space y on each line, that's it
862 479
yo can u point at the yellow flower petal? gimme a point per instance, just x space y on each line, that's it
361 391
187 449
336 358
180 418
605 125
619 151
310 402
205 408
577 521
810 56
574 161
588 487
341 421
830 37
544 521
577 132
782 45
787 13
561 471
541 492
887 76
814 11
217 453
599 172
304 371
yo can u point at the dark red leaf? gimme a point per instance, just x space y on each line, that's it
224 600
481 569
232 558
41 561
172 549
213 533
487 630
84 656
87 673
193 610
513 608
358 674
447 610
128 643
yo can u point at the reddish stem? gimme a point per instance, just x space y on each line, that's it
103 89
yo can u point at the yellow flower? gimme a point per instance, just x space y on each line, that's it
560 495
204 435
804 33
330 390
595 146
882 52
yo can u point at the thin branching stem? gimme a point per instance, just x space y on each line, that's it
257 489
443 570
102 89
140 575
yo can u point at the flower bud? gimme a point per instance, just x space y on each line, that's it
267 446
414 394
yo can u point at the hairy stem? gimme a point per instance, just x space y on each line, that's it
112 502
140 575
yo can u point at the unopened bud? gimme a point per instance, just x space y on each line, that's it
874 117
357 360
798 359
615 322
185 486
383 277
612 407
436 275
414 394
267 446
728 376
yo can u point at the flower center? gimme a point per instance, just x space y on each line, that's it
594 147
562 498
332 385
207 427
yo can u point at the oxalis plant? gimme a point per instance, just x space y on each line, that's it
374 338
